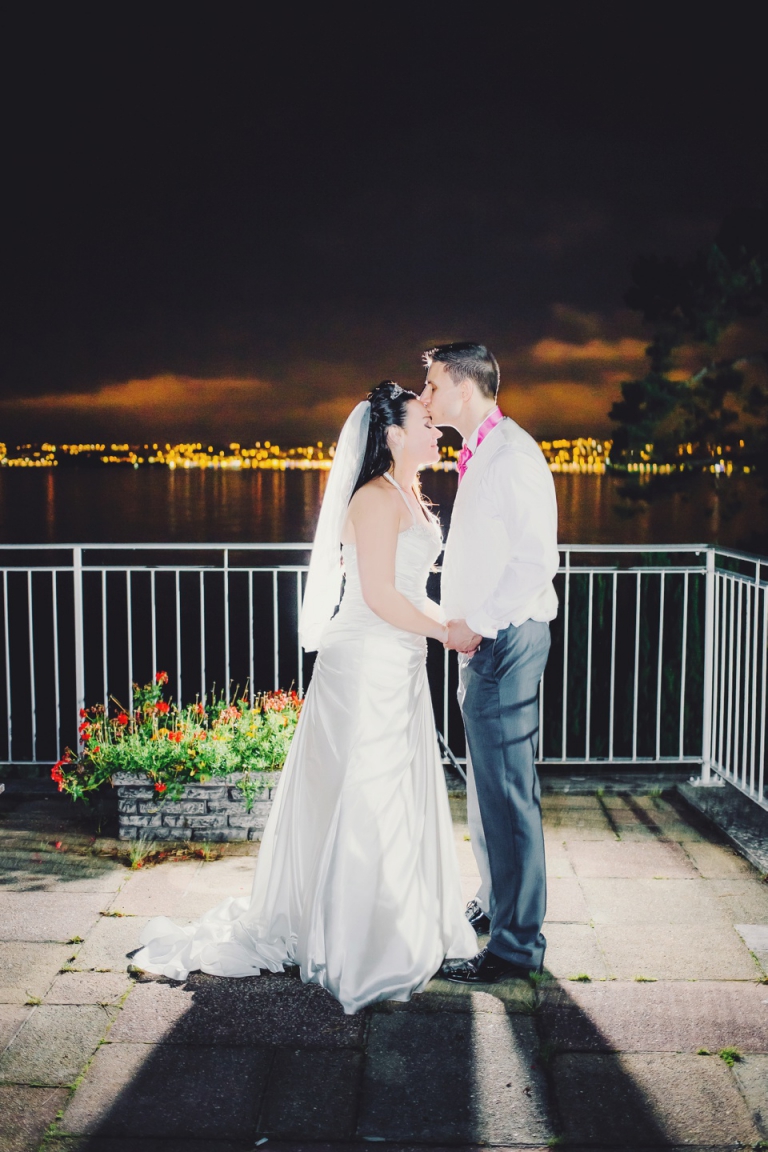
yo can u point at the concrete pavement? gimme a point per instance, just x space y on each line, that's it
655 965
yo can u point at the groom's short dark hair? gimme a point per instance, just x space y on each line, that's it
467 361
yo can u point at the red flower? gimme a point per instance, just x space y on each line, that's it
198 709
162 706
123 719
160 787
83 713
56 772
177 737
161 677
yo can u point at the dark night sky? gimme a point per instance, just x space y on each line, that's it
231 226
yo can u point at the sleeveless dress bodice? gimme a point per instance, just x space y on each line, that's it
418 547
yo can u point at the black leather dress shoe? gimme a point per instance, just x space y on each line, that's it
477 918
485 968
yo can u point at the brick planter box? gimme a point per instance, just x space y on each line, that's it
214 811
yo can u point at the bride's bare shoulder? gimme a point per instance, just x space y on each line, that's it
374 497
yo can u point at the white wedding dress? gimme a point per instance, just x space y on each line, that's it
357 879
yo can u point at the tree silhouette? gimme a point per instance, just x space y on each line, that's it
716 417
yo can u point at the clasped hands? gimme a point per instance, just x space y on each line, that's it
460 637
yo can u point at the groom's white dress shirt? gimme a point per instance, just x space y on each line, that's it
501 553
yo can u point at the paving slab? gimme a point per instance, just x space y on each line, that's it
634 832
129 1144
35 868
232 876
675 952
12 1016
55 1044
49 916
109 945
657 1099
558 863
312 1095
138 1091
516 996
752 1077
720 862
631 861
25 1113
755 936
117 1144
511 1102
88 988
558 801
580 825
664 819
573 949
156 891
680 833
661 1017
28 970
653 902
271 1009
193 905
565 901
489 1087
746 899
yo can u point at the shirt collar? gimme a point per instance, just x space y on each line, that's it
493 418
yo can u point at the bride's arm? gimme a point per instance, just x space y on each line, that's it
434 611
375 517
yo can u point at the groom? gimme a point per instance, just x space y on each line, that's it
499 562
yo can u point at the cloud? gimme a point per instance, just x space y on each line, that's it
561 380
157 395
624 350
565 382
314 406
560 408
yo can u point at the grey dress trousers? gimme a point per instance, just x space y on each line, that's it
499 697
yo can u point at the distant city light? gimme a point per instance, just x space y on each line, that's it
585 454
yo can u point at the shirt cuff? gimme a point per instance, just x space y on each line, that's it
481 623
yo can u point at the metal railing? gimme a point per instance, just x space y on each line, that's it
658 654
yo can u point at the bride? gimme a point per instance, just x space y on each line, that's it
357 880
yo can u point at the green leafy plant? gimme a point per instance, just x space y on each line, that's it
175 746
730 1056
582 978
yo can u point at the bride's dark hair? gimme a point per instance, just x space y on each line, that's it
388 406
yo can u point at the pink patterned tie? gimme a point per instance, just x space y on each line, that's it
464 458
465 455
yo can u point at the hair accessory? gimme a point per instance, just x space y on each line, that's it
396 391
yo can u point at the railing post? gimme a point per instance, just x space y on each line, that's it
709 647
77 580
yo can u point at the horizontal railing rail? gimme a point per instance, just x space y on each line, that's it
658 653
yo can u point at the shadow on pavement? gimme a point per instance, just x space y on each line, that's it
48 841
213 1065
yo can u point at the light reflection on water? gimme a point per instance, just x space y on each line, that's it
156 504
